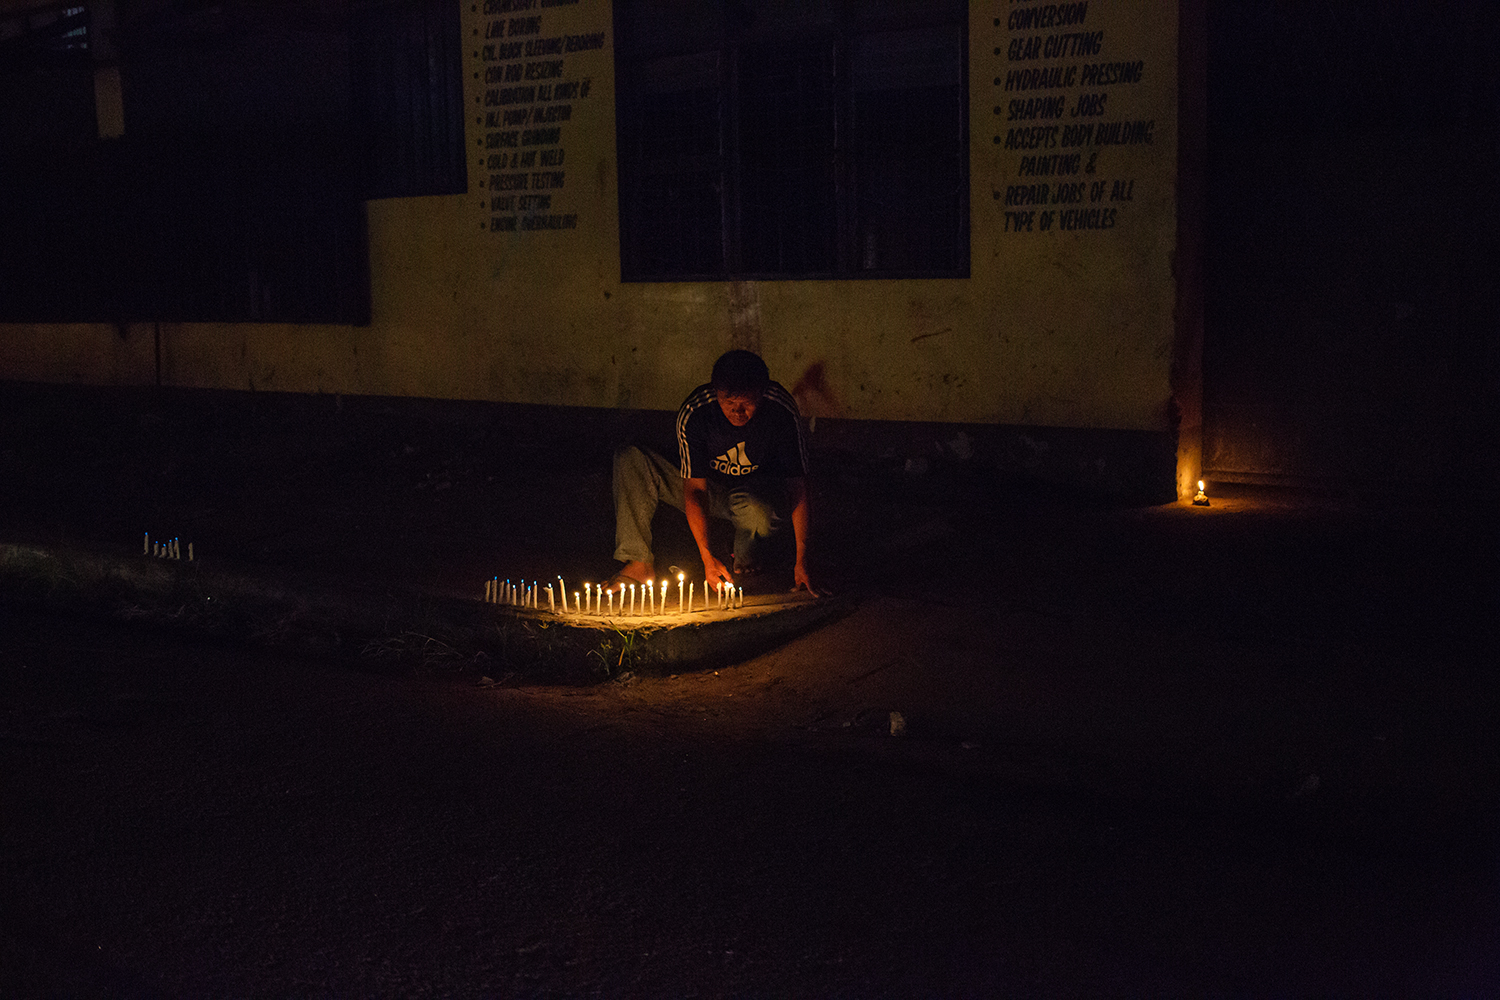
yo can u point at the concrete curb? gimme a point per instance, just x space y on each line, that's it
398 626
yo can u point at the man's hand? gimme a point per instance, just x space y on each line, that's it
801 518
800 579
695 506
716 572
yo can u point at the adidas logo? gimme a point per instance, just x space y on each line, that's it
735 462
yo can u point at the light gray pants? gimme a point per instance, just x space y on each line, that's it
643 479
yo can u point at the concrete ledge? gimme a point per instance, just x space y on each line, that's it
1133 465
693 640
402 627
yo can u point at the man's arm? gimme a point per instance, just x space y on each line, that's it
801 518
695 506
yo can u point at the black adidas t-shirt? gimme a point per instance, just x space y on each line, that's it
770 446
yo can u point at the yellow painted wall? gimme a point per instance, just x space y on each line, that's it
1057 328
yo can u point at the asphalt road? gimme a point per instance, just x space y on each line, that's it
1242 751
182 820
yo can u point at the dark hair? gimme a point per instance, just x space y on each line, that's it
741 371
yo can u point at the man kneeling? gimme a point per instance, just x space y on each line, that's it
741 457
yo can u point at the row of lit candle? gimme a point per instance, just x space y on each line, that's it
164 550
600 600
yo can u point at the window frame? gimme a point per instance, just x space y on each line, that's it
731 49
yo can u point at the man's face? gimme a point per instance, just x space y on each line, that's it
738 407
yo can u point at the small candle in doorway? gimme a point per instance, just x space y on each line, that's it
681 607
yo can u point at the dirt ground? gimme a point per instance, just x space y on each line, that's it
1247 750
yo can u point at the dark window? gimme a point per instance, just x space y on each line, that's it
825 139
253 134
58 30
408 97
49 218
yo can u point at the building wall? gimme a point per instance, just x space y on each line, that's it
1055 327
